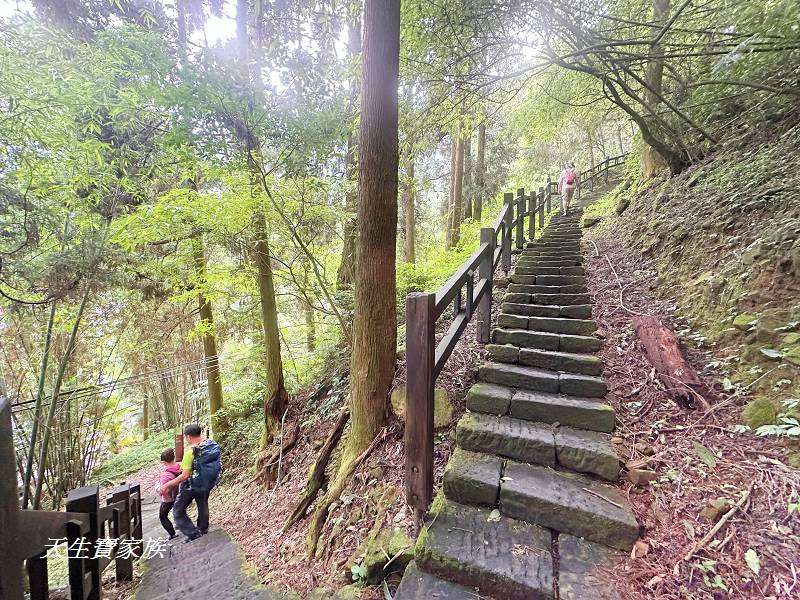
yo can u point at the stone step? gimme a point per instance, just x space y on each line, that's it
473 478
558 299
571 326
585 569
532 248
555 262
582 413
417 584
556 243
557 280
568 362
568 503
541 258
521 288
552 279
523 338
496 436
574 311
527 441
531 378
539 270
461 545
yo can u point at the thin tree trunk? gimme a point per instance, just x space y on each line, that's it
311 328
448 239
213 377
458 181
145 419
468 191
346 272
275 397
409 207
47 431
480 172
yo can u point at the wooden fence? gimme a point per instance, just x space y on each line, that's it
25 535
469 296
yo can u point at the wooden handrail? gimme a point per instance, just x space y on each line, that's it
425 358
28 533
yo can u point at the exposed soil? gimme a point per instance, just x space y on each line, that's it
656 434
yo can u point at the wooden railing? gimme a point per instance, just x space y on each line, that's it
425 358
27 534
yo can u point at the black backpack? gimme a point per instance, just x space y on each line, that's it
206 466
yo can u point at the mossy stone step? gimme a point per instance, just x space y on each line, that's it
570 362
472 478
562 325
584 569
521 288
538 270
550 262
519 377
587 452
524 338
503 436
530 378
583 413
461 545
489 398
557 299
568 503
417 584
558 280
575 311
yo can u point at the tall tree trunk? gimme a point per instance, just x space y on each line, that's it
275 397
213 377
480 172
409 208
590 142
375 316
448 233
619 140
346 272
458 181
651 160
145 418
468 191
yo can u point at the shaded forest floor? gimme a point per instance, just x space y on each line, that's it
702 467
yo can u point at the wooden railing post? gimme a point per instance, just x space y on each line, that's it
486 271
520 218
532 216
508 201
420 357
541 206
84 572
37 576
10 561
121 528
136 516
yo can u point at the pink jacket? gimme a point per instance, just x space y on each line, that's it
562 181
168 474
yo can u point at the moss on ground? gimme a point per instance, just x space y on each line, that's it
723 237
118 466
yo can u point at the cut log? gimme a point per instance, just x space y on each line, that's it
682 382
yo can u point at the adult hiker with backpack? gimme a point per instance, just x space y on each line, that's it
200 470
567 184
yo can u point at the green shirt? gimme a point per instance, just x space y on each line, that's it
186 462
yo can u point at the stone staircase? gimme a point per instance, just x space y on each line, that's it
526 511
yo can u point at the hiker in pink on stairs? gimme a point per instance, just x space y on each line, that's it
567 184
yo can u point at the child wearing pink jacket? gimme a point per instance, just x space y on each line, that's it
170 472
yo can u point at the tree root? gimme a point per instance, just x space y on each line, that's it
341 480
317 479
266 466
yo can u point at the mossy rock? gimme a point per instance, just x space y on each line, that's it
349 592
744 321
792 355
442 408
760 411
590 221
390 552
791 338
622 205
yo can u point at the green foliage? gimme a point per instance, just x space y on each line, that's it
117 467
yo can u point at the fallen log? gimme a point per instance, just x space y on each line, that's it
268 462
682 382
